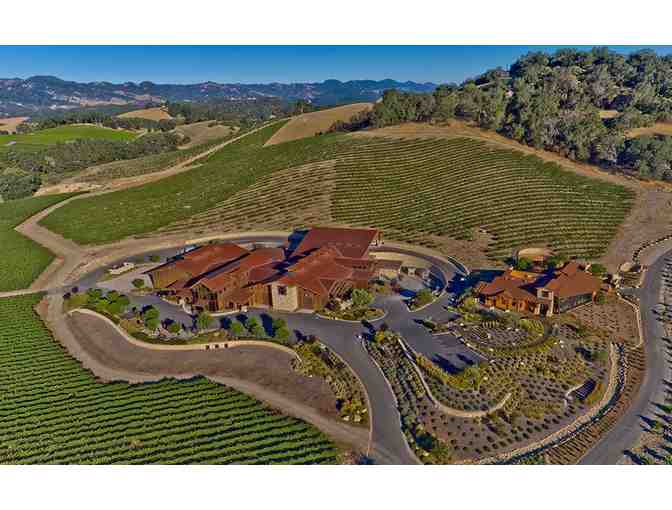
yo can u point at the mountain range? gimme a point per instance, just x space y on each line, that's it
42 93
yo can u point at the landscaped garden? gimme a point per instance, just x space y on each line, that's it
57 413
22 259
355 308
533 377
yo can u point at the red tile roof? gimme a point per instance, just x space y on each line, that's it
349 242
206 258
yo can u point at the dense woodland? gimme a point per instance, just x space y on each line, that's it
242 113
553 102
96 117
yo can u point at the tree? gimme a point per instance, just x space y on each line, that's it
361 298
282 334
255 328
423 297
597 270
523 264
278 323
236 329
152 324
138 283
203 320
174 328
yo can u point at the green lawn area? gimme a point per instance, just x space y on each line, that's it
22 259
53 411
37 140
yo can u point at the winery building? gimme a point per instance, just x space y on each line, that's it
326 264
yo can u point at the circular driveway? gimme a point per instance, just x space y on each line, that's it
389 445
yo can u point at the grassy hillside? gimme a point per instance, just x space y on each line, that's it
158 113
310 124
419 190
54 412
22 259
40 139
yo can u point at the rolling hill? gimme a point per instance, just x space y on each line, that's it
46 93
427 191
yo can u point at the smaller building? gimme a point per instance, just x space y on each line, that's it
540 293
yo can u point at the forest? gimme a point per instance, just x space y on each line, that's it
553 102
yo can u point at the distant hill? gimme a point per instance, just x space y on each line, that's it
42 93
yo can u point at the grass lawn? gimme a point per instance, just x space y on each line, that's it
37 140
55 412
22 259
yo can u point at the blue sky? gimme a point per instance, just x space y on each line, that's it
262 64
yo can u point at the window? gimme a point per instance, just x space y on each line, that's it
282 290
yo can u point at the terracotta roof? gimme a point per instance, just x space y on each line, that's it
514 287
349 242
571 280
218 278
206 258
322 268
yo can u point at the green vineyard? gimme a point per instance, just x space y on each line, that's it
22 259
146 208
414 188
52 411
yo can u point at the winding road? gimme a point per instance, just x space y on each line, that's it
81 266
610 449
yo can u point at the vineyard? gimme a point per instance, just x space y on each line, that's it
52 411
146 208
40 139
426 191
451 188
422 191
22 259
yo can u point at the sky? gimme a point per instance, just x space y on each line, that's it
263 64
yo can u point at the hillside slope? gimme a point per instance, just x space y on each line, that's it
310 124
433 191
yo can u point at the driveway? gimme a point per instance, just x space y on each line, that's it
609 450
388 444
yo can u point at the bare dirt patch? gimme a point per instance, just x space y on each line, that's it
310 124
609 114
158 113
659 128
11 123
615 318
651 214
201 132
269 368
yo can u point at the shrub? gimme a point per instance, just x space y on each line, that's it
236 329
282 334
361 298
203 320
138 283
174 328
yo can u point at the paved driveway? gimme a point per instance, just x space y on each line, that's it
628 429
388 442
